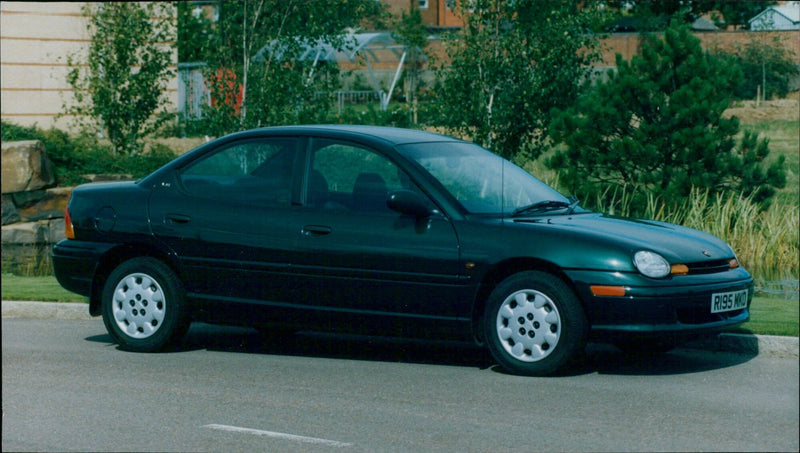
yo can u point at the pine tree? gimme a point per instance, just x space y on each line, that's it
656 127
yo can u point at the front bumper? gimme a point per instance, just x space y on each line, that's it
677 306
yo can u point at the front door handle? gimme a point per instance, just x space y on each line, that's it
177 219
316 230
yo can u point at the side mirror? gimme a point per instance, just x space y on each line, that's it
408 202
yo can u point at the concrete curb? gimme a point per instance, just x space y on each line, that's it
765 345
42 310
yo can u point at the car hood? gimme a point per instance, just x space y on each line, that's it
676 243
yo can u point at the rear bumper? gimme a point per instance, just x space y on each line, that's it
75 264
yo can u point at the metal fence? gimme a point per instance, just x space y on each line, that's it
193 95
355 97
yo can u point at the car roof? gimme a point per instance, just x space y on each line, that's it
391 135
388 136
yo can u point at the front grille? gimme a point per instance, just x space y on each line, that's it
709 267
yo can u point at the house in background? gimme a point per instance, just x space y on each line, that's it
780 17
437 15
36 39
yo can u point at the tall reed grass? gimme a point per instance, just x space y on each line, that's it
766 242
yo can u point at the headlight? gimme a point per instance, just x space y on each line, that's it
651 264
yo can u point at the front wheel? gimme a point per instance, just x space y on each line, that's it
143 307
534 323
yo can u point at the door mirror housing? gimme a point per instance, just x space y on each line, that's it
408 202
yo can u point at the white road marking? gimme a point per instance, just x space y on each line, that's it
294 437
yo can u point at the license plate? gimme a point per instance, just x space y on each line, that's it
733 300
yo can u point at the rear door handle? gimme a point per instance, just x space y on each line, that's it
177 219
316 230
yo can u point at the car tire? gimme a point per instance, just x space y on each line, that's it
143 305
534 324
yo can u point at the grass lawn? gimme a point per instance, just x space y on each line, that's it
772 316
44 289
769 315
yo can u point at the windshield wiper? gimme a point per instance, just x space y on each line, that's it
547 205
573 203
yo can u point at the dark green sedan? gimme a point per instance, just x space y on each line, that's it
391 232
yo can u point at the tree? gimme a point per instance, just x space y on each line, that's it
120 86
411 32
736 12
656 127
653 15
254 57
766 66
193 33
514 61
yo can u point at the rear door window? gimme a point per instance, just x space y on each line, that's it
258 171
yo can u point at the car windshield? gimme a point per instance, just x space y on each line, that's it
483 182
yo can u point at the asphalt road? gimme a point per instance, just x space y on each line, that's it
66 387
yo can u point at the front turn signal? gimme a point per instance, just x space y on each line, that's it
679 269
613 291
733 263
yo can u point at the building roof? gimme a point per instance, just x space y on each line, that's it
789 11
370 43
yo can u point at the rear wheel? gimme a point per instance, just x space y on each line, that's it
143 306
534 324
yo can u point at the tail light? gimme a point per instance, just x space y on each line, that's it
70 233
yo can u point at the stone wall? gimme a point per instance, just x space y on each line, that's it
32 208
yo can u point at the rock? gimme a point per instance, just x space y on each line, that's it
55 231
42 232
106 177
25 167
9 211
22 199
23 233
50 205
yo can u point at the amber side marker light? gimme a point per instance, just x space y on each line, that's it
69 232
679 269
734 263
614 291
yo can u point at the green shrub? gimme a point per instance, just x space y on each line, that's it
397 115
656 127
78 155
762 63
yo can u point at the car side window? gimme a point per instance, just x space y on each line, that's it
256 171
348 177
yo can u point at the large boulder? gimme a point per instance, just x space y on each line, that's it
10 214
25 167
47 204
28 246
27 233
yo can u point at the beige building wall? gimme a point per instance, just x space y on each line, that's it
35 40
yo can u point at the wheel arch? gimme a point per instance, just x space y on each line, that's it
113 258
503 270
